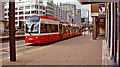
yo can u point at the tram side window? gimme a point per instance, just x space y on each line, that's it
48 28
71 29
68 29
64 29
27 28
54 28
77 29
43 28
74 29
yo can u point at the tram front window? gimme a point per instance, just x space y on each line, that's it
32 24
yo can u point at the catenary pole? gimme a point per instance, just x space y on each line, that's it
12 30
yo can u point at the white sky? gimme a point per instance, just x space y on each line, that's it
84 8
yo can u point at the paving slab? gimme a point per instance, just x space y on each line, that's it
79 50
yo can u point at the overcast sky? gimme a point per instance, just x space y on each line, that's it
84 8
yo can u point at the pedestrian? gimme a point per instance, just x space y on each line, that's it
84 31
91 29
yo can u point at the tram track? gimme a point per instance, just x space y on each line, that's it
20 50
26 48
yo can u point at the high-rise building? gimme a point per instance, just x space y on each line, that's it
71 11
24 8
1 17
78 13
1 10
60 13
49 7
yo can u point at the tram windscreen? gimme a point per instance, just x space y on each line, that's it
32 24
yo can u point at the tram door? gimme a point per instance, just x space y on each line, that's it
60 31
69 30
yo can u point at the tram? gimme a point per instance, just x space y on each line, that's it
45 29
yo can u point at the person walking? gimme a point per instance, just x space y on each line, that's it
91 29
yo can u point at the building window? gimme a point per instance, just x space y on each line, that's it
33 6
27 12
20 18
25 17
20 13
16 13
5 18
43 13
15 8
43 8
40 2
40 7
20 8
5 14
16 23
5 9
33 12
16 18
27 7
36 6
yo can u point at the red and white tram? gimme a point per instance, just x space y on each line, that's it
45 29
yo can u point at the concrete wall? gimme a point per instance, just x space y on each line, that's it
102 28
1 27
1 10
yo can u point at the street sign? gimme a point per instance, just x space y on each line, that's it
102 11
94 10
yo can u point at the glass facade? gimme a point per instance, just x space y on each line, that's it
21 8
27 7
33 7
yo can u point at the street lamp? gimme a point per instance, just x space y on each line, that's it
12 30
88 17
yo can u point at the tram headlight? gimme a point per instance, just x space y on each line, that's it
37 37
26 37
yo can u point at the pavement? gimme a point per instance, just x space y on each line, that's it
105 54
4 39
81 50
6 44
8 36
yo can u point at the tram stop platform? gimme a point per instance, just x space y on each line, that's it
80 50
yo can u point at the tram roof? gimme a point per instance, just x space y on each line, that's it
66 22
45 17
48 17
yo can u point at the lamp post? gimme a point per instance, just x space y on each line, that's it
88 17
12 30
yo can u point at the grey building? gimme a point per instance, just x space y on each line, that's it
24 8
78 13
60 13
2 27
1 10
49 7
71 11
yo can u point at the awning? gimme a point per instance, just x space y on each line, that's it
84 2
